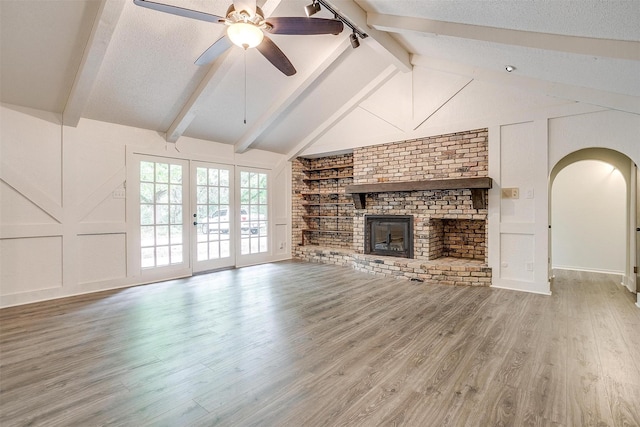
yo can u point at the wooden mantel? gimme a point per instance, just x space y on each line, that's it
476 185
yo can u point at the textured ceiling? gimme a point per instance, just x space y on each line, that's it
112 61
613 19
41 46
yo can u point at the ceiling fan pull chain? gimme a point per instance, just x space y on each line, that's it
245 86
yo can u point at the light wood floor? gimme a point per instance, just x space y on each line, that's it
296 344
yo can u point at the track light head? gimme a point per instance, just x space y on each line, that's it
353 38
312 9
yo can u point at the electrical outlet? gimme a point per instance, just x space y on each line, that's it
529 266
529 193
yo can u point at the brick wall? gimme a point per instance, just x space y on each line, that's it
445 222
464 238
456 155
297 209
302 212
424 206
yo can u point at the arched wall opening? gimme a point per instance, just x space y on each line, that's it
592 214
589 199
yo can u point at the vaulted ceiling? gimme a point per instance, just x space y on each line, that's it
424 61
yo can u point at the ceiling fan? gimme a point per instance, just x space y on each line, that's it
246 27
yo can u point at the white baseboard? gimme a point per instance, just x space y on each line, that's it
588 270
522 290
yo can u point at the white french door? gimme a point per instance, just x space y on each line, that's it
213 216
196 216
162 233
253 194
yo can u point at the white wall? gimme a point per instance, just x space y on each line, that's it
615 130
63 230
589 218
57 182
529 132
573 135
518 226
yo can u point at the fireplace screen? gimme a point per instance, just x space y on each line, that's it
390 235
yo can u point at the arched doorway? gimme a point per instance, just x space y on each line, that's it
589 218
593 214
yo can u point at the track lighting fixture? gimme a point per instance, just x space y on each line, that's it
353 38
312 9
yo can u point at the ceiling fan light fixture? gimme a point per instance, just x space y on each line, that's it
312 9
245 35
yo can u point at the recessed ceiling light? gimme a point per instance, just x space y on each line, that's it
509 68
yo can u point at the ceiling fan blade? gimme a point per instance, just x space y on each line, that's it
248 5
180 11
296 25
274 55
215 50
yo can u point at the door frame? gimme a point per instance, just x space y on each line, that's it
635 204
170 151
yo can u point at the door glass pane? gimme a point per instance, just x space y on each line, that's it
253 209
213 213
162 172
147 171
160 214
175 176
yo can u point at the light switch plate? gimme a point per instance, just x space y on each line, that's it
511 193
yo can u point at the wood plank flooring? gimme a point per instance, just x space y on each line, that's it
297 344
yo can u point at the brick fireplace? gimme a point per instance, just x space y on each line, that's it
449 224
389 235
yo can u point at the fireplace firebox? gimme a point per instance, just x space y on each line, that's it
389 235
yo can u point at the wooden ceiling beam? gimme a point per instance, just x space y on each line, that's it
621 49
104 26
380 41
216 73
349 106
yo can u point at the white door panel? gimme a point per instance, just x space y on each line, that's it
162 237
213 216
